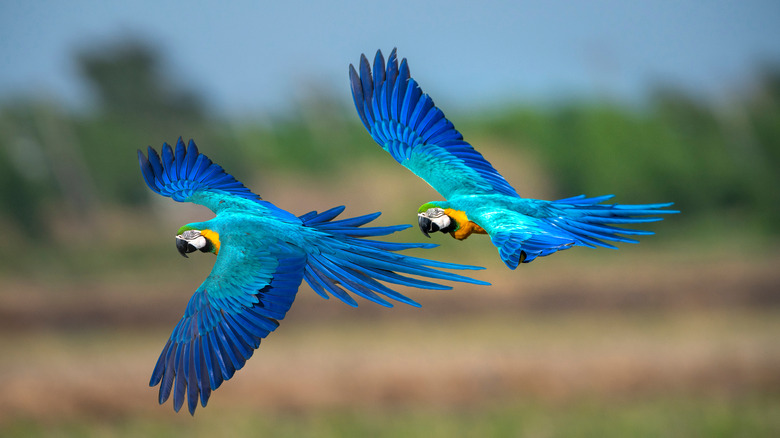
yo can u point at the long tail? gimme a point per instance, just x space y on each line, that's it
349 262
579 221
590 222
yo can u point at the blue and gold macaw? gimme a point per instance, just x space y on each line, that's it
407 124
263 254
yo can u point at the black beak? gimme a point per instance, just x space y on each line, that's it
184 247
426 225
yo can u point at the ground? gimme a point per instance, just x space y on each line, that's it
644 343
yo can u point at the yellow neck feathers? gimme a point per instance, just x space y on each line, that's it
465 226
212 237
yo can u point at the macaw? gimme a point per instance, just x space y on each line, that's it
263 254
407 124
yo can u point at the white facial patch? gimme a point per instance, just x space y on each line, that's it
442 221
437 216
194 238
199 242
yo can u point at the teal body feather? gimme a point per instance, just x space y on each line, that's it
407 124
264 253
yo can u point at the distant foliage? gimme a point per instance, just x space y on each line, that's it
717 161
710 160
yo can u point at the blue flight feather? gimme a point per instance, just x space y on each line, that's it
391 95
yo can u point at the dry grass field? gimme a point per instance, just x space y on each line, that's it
627 343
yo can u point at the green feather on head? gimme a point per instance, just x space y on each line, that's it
185 228
425 207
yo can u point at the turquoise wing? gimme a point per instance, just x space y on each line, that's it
186 175
249 290
407 124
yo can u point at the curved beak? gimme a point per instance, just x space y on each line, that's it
184 247
426 225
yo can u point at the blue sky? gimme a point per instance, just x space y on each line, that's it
246 57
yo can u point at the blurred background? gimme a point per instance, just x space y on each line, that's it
670 101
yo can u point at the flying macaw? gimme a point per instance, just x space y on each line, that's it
407 124
263 253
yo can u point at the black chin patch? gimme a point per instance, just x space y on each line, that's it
208 247
451 227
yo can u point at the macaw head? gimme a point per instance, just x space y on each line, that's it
431 218
189 239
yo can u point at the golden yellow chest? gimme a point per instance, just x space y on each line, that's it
213 237
466 227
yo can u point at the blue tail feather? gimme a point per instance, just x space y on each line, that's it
577 221
350 263
586 219
321 281
392 277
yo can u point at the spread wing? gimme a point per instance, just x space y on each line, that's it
189 176
249 290
407 124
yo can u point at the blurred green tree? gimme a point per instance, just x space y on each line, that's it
130 82
140 103
714 160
